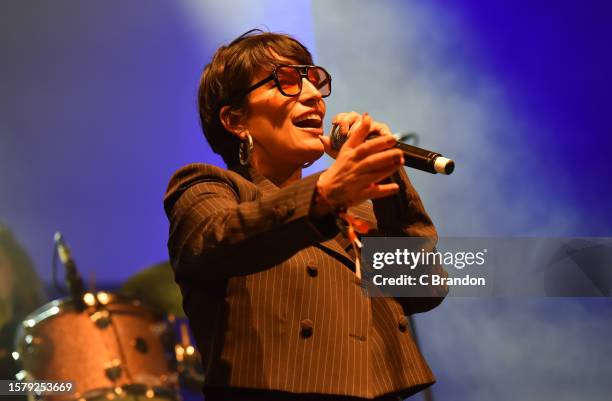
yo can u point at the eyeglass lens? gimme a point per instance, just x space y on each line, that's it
291 82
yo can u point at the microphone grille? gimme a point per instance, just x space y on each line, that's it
336 139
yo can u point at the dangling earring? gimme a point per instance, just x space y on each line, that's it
245 150
307 164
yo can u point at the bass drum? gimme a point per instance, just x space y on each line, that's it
114 349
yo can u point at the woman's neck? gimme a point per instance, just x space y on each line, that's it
279 175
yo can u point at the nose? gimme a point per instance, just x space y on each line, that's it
309 92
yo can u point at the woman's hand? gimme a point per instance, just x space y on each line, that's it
345 121
360 165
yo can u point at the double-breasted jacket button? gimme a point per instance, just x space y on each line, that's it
312 269
402 323
306 328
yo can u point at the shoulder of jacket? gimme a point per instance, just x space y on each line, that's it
196 173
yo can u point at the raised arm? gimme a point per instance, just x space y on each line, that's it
221 226
405 215
401 214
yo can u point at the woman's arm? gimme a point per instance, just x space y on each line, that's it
403 215
399 215
221 227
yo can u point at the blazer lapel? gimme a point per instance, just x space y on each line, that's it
336 245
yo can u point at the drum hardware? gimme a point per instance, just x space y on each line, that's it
140 345
184 350
156 286
189 360
109 346
45 314
22 375
131 361
73 278
129 393
102 297
33 347
89 299
112 369
184 353
101 318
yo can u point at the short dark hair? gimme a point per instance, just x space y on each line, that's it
230 73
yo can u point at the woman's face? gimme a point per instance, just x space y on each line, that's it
273 120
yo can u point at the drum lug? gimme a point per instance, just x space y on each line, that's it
31 347
140 345
113 370
101 319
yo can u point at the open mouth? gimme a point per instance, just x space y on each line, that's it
311 122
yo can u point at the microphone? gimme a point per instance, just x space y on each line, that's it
73 279
415 157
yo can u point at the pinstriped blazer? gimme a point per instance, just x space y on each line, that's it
271 294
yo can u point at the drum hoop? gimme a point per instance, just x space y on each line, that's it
136 389
65 304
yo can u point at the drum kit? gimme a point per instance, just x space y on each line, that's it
113 346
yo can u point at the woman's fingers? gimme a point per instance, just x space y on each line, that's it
374 145
382 160
378 175
376 191
380 128
359 127
361 164
359 131
345 120
327 146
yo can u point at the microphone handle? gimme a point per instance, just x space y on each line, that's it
423 159
420 159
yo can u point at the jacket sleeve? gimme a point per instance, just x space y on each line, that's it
403 215
219 224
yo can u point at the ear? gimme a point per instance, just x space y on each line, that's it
232 120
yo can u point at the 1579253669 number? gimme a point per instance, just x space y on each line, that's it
39 387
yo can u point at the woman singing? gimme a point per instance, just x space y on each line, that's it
268 277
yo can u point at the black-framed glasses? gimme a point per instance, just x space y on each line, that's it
288 79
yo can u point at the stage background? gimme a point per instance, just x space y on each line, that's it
98 108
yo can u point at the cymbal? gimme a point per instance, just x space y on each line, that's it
155 286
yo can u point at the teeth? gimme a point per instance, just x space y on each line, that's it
311 116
